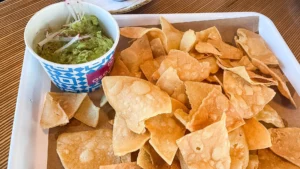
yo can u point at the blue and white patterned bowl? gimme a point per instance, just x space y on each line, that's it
85 77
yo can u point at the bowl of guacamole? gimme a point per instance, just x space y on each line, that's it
74 41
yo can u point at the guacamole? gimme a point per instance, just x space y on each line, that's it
87 42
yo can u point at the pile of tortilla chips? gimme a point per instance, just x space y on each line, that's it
190 100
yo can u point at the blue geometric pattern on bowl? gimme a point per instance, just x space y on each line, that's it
75 79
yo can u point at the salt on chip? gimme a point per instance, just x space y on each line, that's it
164 141
136 54
227 51
120 69
52 114
204 47
86 149
207 148
124 140
188 40
131 165
269 115
181 116
285 143
170 83
148 68
267 159
244 61
157 48
253 161
250 98
239 152
136 100
211 32
255 46
257 135
214 68
173 35
88 113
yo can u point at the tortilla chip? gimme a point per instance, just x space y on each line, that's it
131 165
234 119
199 56
148 158
173 35
207 148
269 115
283 89
88 113
103 100
261 79
160 59
178 105
183 164
257 135
119 69
188 41
182 116
251 99
204 47
157 48
124 140
255 46
268 160
285 143
136 54
227 51
211 32
239 152
188 68
53 114
170 83
148 68
253 162
244 62
224 63
135 99
214 79
85 149
214 68
164 141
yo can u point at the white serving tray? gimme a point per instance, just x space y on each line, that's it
29 143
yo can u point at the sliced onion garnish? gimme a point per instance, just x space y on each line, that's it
48 39
68 19
76 38
71 10
67 39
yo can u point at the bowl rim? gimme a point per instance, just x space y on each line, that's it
109 52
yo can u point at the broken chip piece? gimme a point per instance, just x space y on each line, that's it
269 115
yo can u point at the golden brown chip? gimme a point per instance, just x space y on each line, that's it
160 59
188 68
170 83
214 79
135 100
255 46
164 141
234 119
137 54
148 68
261 79
199 56
207 148
86 149
119 69
131 165
188 41
269 160
244 62
53 114
285 143
173 35
224 63
178 105
239 152
253 161
182 116
157 48
124 140
257 135
227 51
88 113
204 47
269 115
251 99
183 164
211 32
212 64
149 159
283 89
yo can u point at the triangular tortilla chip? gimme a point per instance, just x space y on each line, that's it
173 35
261 79
124 140
204 47
199 56
69 102
239 152
257 135
120 69
135 99
244 62
148 68
234 119
188 41
178 105
170 83
283 89
269 160
88 113
251 99
211 32
164 141
53 114
188 68
212 64
269 115
214 79
157 48
207 148
149 159
285 143
86 149
255 46
253 162
131 165
227 51
136 54
182 116
183 164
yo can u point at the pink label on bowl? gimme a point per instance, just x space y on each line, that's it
95 77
